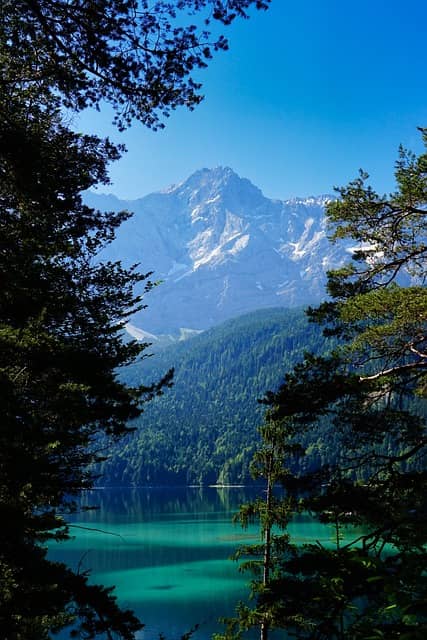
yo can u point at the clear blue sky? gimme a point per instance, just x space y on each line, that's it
309 92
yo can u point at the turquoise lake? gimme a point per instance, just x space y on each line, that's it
167 551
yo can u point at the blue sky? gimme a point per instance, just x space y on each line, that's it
309 92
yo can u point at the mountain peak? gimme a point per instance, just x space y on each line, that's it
219 183
217 174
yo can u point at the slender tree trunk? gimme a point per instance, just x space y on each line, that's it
338 546
267 542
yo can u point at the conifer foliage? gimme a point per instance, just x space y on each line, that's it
136 54
370 580
60 321
62 311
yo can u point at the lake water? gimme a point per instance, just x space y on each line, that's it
167 551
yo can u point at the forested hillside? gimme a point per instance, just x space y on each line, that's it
204 429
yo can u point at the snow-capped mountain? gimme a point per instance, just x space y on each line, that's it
220 249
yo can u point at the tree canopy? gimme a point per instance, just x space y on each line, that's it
138 55
370 582
61 318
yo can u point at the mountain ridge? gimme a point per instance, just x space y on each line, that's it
221 249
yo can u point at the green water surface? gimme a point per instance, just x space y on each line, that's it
167 551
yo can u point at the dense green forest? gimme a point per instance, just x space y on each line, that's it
204 429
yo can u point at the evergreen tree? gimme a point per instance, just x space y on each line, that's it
62 315
273 512
371 582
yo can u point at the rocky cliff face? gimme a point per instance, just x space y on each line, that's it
221 249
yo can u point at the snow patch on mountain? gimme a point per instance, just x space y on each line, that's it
140 334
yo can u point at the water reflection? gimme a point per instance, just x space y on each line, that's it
146 503
167 551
